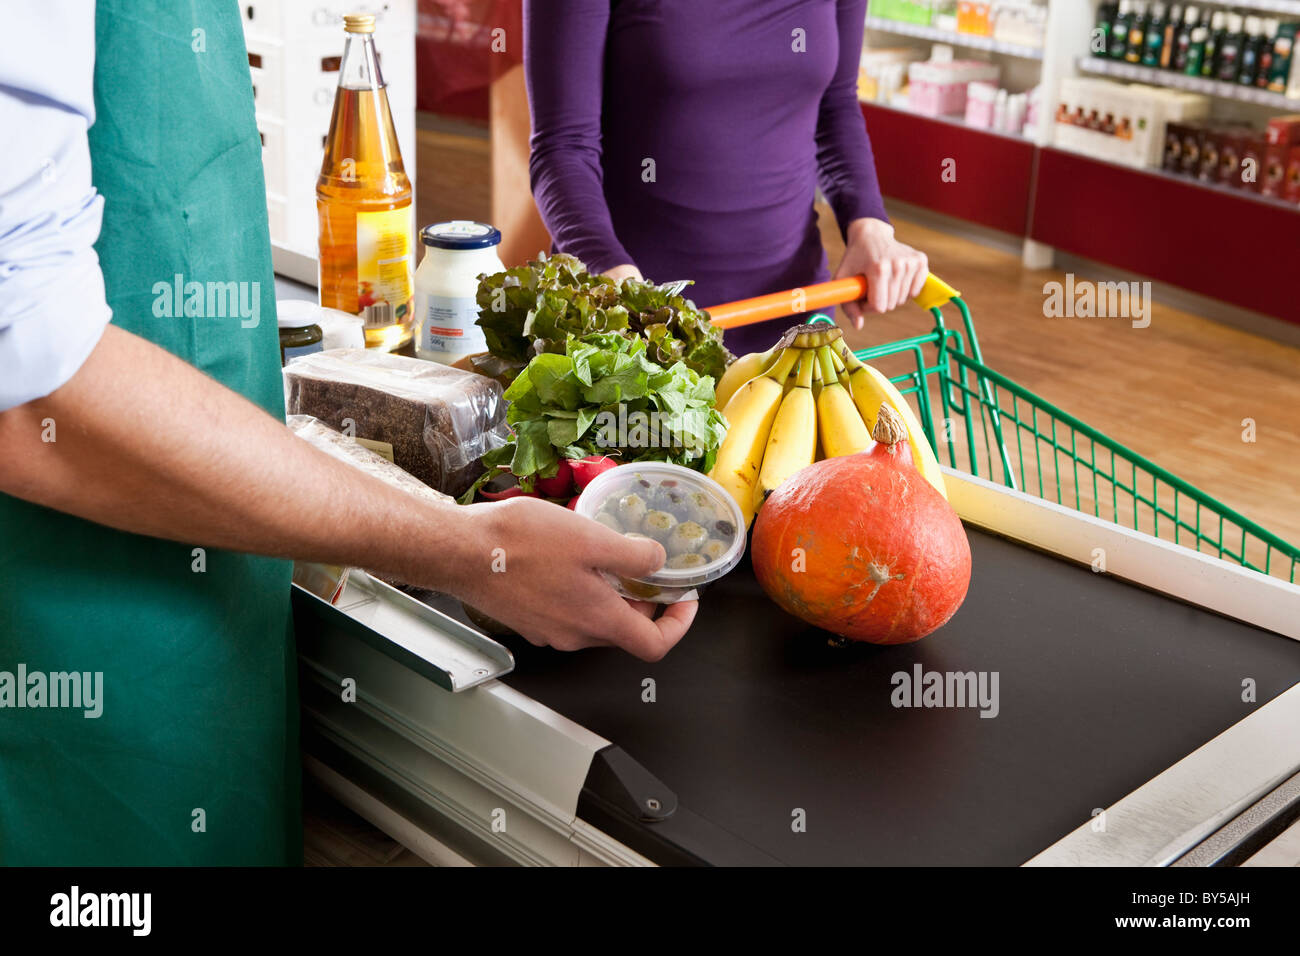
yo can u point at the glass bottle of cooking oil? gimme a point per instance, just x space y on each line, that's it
363 200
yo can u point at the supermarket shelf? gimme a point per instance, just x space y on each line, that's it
1179 81
953 120
1242 194
970 40
1291 7
1167 227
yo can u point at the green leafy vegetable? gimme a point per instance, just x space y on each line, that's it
535 308
605 396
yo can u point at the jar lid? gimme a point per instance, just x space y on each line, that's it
296 313
301 313
460 234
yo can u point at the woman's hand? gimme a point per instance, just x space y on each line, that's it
625 271
895 272
535 566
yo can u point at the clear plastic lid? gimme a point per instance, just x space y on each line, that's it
691 515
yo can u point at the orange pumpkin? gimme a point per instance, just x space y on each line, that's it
863 545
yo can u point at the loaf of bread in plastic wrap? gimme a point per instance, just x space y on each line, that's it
338 445
438 420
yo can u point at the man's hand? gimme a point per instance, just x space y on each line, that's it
545 581
895 272
129 455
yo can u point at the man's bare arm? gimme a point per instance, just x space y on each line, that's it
146 443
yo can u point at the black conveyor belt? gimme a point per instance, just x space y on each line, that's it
1102 686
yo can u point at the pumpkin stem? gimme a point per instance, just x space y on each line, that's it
890 429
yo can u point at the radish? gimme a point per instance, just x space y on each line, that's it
586 469
559 486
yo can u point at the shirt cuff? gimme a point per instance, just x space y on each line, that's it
53 309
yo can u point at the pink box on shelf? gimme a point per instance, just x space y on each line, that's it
939 89
980 98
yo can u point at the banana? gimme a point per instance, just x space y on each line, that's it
741 371
870 388
840 370
792 443
839 423
810 336
749 415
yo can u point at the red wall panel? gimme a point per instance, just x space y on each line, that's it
994 172
1234 248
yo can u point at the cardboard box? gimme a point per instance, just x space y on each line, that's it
1283 130
1291 189
1193 137
1273 175
1211 140
1231 146
1253 156
1175 133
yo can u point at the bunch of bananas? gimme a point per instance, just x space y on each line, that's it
805 399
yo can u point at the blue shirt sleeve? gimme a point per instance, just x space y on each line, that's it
53 309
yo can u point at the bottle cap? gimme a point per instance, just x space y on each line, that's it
359 23
460 234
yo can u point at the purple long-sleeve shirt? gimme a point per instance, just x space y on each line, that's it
688 138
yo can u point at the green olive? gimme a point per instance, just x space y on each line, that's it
686 538
631 510
659 525
701 508
714 549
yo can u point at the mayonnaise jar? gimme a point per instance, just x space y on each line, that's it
446 282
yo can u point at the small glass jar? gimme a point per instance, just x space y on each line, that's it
298 339
446 286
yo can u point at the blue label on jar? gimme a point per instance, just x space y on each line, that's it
293 351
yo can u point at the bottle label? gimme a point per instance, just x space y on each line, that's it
384 266
447 324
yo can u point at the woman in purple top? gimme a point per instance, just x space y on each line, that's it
685 139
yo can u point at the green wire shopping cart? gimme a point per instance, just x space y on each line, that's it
979 421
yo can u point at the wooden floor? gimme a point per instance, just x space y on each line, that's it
335 836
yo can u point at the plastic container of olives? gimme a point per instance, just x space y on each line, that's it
690 514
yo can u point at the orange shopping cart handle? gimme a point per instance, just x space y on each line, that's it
813 298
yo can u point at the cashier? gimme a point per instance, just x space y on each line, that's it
150 493
687 141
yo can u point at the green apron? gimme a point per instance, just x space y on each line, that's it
194 759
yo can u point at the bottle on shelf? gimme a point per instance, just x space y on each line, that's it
363 200
1271 26
1154 40
1213 43
1119 28
1099 44
1248 67
1196 50
1183 40
1169 44
1137 33
1229 50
